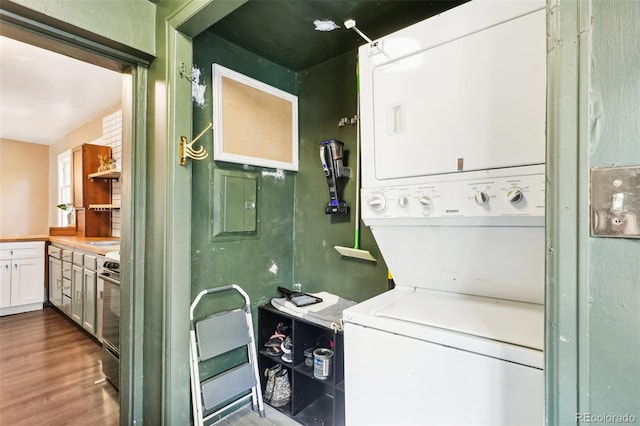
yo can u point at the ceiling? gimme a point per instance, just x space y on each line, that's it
284 32
45 95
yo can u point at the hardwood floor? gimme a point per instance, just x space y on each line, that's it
48 373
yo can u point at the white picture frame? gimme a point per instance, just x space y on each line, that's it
254 123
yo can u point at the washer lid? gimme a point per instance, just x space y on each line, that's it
506 321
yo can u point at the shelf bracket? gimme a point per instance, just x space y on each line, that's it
187 150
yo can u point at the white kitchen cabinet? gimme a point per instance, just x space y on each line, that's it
21 277
67 272
77 297
5 283
55 277
79 287
89 307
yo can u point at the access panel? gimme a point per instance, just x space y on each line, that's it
234 202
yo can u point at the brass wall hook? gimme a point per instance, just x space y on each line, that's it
187 150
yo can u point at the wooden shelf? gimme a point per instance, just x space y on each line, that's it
109 174
104 207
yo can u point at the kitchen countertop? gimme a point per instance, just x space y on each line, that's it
22 238
80 243
83 243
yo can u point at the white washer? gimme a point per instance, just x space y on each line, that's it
422 357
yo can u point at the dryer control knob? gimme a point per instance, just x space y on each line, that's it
481 197
425 200
377 202
403 201
515 195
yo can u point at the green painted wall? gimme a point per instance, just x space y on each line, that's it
327 92
295 238
612 354
258 262
593 284
295 235
130 22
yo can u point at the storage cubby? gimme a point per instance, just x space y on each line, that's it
314 401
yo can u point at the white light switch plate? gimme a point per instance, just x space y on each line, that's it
615 202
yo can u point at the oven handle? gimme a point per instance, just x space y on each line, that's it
109 279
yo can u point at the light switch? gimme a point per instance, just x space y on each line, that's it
615 202
618 202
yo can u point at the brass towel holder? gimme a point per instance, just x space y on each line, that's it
187 150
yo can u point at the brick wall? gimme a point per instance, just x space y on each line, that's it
112 136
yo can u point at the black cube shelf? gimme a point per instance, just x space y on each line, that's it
314 401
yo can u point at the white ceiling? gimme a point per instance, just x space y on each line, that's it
45 95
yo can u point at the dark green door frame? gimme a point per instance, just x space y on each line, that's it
568 42
181 26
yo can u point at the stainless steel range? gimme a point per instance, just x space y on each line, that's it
110 275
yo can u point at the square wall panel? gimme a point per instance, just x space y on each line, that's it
234 203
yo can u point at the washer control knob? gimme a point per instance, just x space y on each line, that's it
377 202
515 195
481 197
403 201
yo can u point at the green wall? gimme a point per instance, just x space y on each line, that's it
327 92
258 262
612 351
294 233
593 284
130 22
294 240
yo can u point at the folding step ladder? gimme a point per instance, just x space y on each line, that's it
216 335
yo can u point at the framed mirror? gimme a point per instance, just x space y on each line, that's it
254 123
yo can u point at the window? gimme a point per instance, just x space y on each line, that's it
65 216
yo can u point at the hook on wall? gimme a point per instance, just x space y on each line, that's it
345 121
187 150
183 73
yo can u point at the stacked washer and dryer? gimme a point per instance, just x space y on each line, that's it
453 189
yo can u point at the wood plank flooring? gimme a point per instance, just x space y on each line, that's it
48 370
48 374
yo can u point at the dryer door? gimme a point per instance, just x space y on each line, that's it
473 103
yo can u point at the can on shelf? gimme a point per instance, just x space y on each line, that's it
322 363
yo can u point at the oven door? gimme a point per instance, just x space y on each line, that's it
111 312
111 365
111 329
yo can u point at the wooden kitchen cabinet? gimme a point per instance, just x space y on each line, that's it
21 277
85 162
87 191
